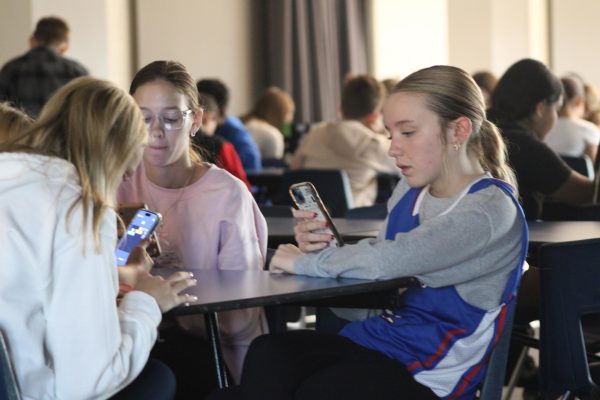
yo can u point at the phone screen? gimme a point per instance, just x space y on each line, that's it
143 224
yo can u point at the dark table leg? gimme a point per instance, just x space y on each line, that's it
212 327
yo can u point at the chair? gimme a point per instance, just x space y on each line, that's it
273 163
275 211
582 164
8 383
570 282
333 186
386 183
493 381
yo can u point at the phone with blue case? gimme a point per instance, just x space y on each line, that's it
142 225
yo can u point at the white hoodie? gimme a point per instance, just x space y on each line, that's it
66 336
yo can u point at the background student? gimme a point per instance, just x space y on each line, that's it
356 144
272 110
210 220
524 105
30 79
487 83
436 344
58 281
214 149
231 128
572 135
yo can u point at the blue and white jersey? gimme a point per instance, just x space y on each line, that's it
444 341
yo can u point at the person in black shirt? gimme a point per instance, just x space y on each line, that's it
524 105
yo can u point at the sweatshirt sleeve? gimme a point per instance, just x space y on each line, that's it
96 348
433 252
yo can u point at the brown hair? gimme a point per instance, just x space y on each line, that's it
452 93
361 95
177 75
51 31
272 106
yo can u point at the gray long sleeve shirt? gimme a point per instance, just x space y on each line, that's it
472 242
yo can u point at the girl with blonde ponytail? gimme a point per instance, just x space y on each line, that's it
454 223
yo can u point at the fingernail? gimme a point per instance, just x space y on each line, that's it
194 298
191 274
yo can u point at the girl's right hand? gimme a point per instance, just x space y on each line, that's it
167 291
304 233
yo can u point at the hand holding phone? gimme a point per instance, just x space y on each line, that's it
141 227
306 198
129 210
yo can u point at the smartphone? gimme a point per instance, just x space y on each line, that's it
129 210
142 225
306 198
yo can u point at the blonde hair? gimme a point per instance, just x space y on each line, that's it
452 93
99 129
13 122
272 106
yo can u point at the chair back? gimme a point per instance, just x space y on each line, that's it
570 287
493 380
8 383
333 186
276 211
582 164
377 211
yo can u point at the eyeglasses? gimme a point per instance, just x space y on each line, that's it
170 120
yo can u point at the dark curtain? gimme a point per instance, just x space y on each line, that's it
309 47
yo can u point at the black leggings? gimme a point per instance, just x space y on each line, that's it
156 381
311 365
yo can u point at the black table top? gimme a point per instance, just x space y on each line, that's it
228 290
562 231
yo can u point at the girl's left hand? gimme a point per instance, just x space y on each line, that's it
284 258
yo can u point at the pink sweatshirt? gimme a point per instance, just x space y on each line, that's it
212 223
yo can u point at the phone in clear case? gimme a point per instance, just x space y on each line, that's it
306 198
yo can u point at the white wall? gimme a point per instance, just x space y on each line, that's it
99 37
575 38
469 34
119 46
15 28
212 38
407 35
493 34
